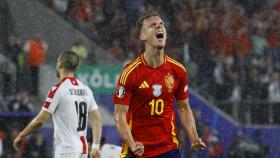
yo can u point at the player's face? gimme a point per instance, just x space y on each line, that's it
153 32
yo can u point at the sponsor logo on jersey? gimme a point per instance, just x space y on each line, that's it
169 82
144 84
157 89
120 92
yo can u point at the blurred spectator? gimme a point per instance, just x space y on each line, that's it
15 53
274 96
10 152
220 79
81 13
116 27
244 147
215 149
94 34
258 139
36 49
242 46
116 51
98 15
13 48
274 89
4 84
207 133
35 147
259 42
133 10
130 40
272 36
21 103
3 104
130 56
60 6
80 49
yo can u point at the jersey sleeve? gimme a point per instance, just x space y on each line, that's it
182 91
93 105
52 100
122 94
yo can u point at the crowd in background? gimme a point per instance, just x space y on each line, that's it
230 47
17 96
241 146
27 56
33 147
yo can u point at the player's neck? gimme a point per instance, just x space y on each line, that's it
154 57
66 74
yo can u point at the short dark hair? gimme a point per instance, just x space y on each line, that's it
141 20
69 60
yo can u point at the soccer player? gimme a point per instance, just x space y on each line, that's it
144 98
70 103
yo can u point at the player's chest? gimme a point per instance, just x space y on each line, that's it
154 84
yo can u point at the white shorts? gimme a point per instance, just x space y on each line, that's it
70 155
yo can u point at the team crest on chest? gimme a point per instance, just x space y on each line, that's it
169 82
157 89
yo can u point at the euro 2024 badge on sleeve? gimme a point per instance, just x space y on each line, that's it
120 92
169 82
157 89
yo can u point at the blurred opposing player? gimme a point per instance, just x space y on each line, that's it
146 90
70 103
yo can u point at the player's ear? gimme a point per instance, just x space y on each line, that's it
59 65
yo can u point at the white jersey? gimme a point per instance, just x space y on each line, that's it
69 102
110 151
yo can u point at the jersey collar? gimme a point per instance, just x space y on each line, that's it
145 63
65 78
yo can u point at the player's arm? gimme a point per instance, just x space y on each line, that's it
188 123
96 125
122 125
37 122
123 128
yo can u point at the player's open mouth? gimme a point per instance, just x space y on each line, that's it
160 35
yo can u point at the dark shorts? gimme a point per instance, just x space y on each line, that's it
170 154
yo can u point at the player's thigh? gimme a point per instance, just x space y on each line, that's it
129 156
170 154
70 155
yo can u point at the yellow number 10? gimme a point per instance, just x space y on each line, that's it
157 106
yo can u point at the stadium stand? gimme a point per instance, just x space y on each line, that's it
218 41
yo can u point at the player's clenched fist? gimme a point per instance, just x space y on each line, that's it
95 154
138 149
18 141
198 145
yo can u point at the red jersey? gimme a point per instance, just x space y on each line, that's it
150 94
